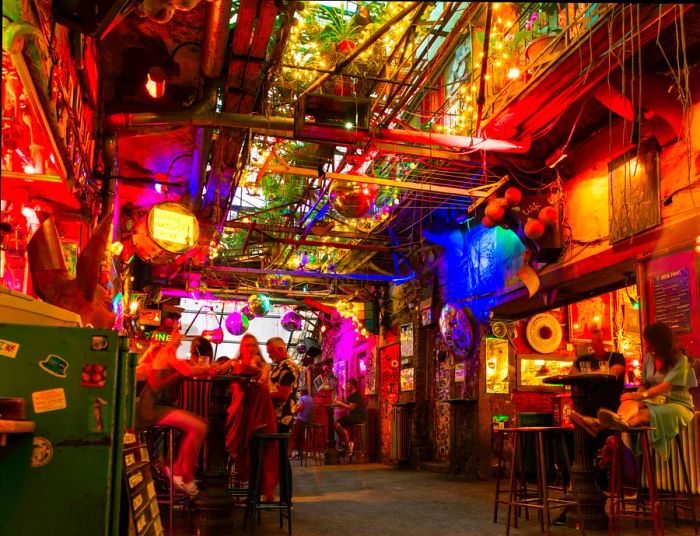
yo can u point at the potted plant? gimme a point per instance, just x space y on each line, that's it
539 26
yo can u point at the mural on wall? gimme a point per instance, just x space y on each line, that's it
634 192
588 315
443 376
388 363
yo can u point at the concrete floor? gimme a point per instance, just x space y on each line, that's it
380 500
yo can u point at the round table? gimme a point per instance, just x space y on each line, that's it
591 497
213 506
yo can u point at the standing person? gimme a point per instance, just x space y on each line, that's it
284 382
355 403
160 373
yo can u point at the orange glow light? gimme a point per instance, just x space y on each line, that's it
155 83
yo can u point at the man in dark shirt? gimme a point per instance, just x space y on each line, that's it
355 403
606 395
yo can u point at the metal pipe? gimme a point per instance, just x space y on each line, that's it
156 120
214 45
481 96
337 245
397 280
449 140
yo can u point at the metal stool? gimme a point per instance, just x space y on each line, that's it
254 505
650 510
154 435
542 501
358 435
313 443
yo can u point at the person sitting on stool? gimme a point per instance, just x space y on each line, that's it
354 402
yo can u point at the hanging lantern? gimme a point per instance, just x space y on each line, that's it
237 323
488 222
353 200
534 229
495 211
215 336
548 216
168 230
291 321
259 304
513 196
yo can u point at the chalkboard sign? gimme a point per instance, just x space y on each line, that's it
144 515
672 299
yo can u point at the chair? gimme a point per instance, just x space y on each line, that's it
651 509
313 443
253 504
538 499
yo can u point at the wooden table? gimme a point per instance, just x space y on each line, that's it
591 497
14 427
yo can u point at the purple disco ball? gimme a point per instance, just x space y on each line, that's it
291 321
301 348
237 323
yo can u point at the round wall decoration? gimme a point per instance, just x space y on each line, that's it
543 333
457 329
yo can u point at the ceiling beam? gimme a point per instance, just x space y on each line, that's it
404 185
269 228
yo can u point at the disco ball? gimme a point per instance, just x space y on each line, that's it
245 310
259 304
301 348
353 200
237 323
456 330
291 321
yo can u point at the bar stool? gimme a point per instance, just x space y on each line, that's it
158 436
358 435
313 443
541 502
650 510
254 505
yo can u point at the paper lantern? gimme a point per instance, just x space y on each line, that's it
488 222
291 321
548 216
237 323
513 196
495 211
259 304
534 229
456 330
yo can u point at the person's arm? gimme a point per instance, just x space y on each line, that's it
181 366
676 376
574 369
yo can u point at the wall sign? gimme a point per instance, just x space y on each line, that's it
460 372
672 300
407 382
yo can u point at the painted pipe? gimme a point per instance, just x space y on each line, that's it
283 127
303 273
216 37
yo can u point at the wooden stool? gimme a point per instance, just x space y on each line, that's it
541 502
254 505
313 443
652 510
358 435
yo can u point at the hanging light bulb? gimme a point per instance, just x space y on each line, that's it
155 82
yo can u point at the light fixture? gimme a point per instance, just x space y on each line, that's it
556 157
155 82
117 248
634 302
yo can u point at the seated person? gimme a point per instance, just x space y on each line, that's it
663 400
304 413
605 394
159 374
355 403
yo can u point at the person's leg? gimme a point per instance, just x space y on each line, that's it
629 409
342 433
642 418
194 431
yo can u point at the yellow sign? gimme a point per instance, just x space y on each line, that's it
173 227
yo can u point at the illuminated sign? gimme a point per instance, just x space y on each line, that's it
174 227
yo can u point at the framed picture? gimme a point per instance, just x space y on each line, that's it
588 315
497 365
634 192
407 383
532 369
406 340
